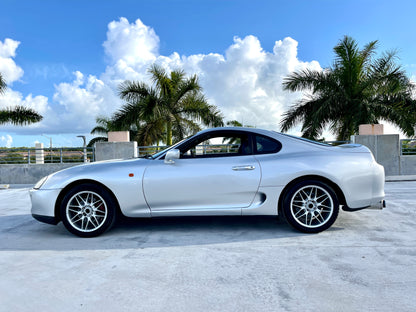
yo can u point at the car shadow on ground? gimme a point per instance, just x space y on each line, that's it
22 232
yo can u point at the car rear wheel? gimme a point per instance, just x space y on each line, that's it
87 210
311 206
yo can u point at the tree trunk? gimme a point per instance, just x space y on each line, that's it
169 133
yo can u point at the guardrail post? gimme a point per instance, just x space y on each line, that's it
40 154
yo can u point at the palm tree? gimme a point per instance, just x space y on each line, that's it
170 110
18 115
357 89
103 126
3 85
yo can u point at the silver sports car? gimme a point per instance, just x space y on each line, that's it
221 171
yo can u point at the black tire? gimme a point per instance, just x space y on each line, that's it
311 206
88 210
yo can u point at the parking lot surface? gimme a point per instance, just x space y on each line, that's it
365 262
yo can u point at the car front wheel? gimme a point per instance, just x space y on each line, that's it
87 210
311 206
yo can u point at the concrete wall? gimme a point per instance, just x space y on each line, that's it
115 150
29 173
408 164
386 150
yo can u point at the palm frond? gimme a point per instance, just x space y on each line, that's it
95 140
19 115
3 85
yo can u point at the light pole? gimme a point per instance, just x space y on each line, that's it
85 146
50 145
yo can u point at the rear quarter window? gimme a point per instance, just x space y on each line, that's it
265 145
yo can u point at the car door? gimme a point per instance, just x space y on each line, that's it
221 179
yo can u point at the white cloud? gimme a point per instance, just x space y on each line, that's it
82 100
14 98
8 67
245 82
7 140
131 43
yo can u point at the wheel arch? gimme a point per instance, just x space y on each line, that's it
333 185
78 182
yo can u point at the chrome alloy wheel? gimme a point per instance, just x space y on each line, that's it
311 206
86 211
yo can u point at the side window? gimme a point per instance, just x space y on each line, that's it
219 146
264 145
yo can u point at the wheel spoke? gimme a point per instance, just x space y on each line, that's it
306 194
300 210
73 210
80 204
94 203
311 219
87 198
323 195
319 215
79 218
96 223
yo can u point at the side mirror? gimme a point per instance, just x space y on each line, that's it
171 156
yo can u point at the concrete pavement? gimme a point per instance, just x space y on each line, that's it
365 262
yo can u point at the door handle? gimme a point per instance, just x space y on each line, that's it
241 168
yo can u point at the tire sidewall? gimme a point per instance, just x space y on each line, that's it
111 209
287 206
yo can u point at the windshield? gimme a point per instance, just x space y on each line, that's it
154 156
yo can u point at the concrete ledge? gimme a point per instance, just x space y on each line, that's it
400 178
29 173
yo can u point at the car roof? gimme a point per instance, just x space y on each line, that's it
245 129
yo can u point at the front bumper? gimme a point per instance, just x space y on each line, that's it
46 219
43 205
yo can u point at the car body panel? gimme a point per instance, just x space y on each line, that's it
210 186
114 175
201 184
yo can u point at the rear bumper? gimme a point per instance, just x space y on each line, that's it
378 205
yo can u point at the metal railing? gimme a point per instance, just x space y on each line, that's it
408 147
46 155
201 149
149 150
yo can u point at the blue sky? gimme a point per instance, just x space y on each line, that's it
68 60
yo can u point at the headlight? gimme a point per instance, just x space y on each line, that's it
40 183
